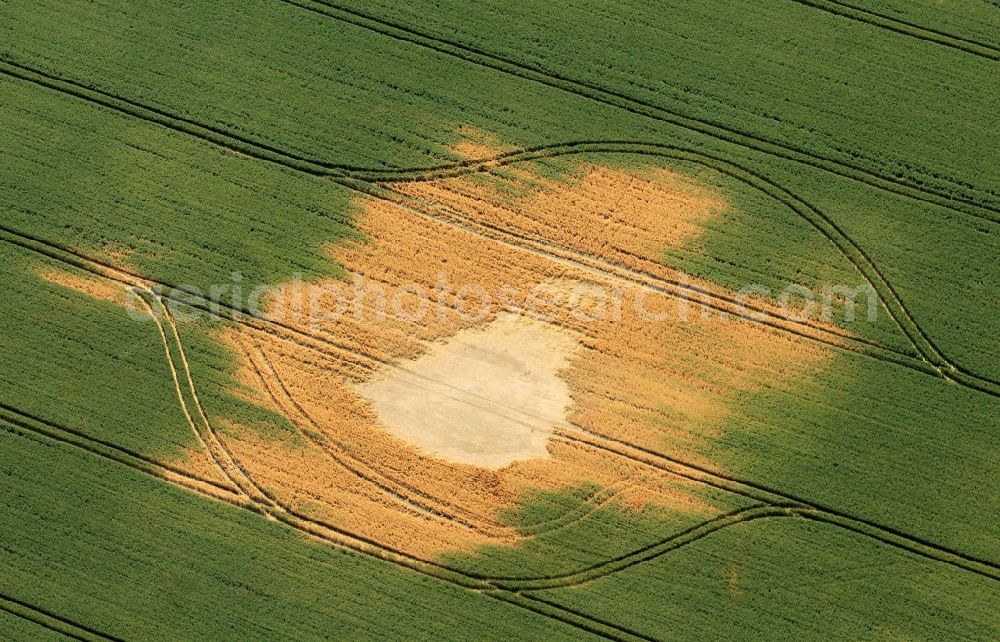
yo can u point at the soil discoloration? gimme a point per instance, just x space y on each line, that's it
91 286
423 429
404 390
615 215
487 396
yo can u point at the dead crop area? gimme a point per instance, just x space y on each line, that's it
337 320
469 371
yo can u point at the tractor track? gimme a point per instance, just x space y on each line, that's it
30 427
665 463
424 505
761 493
248 487
603 266
646 553
904 27
268 504
847 247
52 621
490 584
111 451
771 496
334 535
263 151
678 467
593 502
414 498
644 108
942 366
209 440
67 255
326 8
590 505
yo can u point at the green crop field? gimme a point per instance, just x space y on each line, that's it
213 428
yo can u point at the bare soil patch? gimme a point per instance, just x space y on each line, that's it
487 396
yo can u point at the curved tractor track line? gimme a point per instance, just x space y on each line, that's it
933 361
220 450
321 344
608 269
648 109
991 576
330 535
668 464
763 493
206 435
444 509
679 468
338 536
680 540
592 503
611 270
611 565
500 588
52 621
630 451
953 372
665 463
269 505
427 504
424 505
903 27
264 502
822 223
318 344
264 151
647 553
67 255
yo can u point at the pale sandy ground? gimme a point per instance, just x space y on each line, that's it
487 396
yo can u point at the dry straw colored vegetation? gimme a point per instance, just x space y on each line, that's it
676 380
